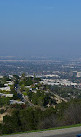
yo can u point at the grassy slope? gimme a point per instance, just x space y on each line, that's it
77 125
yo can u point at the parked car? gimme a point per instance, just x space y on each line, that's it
78 135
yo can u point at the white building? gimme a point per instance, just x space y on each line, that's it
78 74
5 88
6 95
12 102
57 82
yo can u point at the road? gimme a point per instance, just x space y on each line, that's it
68 132
22 97
20 94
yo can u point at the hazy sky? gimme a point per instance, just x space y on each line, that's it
40 28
